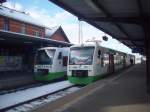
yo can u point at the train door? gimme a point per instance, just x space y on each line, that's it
65 62
118 58
65 58
102 62
111 63
97 67
59 64
124 60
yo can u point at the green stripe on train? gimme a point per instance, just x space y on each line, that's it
50 76
84 80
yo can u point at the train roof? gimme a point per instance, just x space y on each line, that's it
53 48
94 45
83 45
48 48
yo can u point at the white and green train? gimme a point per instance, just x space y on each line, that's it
90 62
51 63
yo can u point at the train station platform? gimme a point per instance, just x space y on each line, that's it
122 92
15 79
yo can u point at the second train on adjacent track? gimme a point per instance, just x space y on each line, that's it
51 63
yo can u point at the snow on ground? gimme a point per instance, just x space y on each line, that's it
11 99
28 107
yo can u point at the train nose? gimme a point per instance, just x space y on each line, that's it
42 71
80 73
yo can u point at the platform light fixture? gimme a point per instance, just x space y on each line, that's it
105 38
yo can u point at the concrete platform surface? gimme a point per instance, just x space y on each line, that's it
15 79
14 74
125 92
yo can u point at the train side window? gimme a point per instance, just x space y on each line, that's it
60 55
99 53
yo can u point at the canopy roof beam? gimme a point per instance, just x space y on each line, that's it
97 4
131 20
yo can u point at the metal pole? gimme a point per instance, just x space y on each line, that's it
79 33
148 64
147 52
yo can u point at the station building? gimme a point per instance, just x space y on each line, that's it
20 37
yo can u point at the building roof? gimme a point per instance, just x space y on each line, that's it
18 15
122 19
51 31
23 17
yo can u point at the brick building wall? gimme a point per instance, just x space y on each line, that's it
14 26
58 37
21 27
31 29
1 22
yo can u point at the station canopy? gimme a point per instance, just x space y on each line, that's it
8 37
122 19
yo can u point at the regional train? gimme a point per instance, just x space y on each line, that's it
90 62
51 63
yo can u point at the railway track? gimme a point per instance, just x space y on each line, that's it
3 92
32 105
29 99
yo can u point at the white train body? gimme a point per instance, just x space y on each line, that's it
51 63
89 62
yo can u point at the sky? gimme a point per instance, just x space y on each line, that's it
51 15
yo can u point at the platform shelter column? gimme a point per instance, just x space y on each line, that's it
147 52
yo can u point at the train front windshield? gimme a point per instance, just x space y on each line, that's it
81 55
45 56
